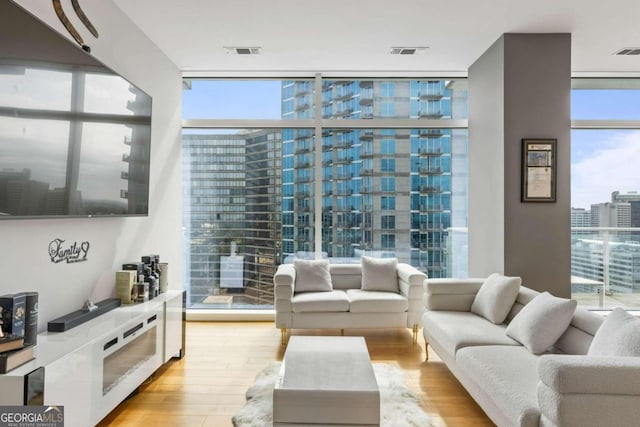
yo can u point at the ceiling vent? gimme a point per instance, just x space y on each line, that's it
420 50
628 51
236 50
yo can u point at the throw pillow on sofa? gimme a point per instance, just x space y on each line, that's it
379 274
619 335
312 275
495 297
541 322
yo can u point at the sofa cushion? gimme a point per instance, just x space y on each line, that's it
619 335
454 330
508 375
495 297
333 301
376 302
312 275
379 274
541 322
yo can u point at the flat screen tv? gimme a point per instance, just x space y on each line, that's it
74 135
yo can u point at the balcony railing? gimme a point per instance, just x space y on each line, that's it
605 266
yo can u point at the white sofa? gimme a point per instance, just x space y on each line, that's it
563 387
347 305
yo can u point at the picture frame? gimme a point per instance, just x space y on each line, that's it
538 170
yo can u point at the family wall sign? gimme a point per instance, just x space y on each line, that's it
59 251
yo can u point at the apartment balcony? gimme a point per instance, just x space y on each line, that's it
435 266
431 208
431 152
343 95
124 175
366 136
344 160
302 91
366 84
431 115
344 192
343 113
327 162
302 107
125 157
366 100
366 189
431 171
430 226
303 178
302 195
365 172
344 176
303 150
431 133
302 165
343 144
127 140
431 246
430 189
344 241
366 155
327 147
303 209
430 96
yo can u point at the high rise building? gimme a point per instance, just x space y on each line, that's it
232 203
385 192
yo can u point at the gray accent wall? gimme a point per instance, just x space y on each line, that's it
519 88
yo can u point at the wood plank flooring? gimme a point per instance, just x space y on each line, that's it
207 386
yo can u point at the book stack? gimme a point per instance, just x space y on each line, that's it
18 329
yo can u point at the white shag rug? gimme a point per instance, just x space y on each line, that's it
399 406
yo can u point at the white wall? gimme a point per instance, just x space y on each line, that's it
24 261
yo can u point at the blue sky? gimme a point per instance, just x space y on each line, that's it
602 161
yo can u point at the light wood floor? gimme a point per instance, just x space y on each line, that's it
207 386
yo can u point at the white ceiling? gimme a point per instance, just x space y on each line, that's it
355 35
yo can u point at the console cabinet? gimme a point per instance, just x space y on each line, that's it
93 367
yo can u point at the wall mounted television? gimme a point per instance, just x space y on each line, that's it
75 136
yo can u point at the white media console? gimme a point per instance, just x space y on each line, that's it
93 367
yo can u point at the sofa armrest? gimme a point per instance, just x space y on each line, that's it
589 391
410 283
450 294
284 281
590 374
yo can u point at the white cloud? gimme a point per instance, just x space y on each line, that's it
614 168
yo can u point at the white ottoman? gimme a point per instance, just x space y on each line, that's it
326 381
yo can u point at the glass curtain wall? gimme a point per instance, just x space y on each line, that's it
605 193
381 170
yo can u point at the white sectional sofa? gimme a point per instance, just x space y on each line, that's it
564 386
346 304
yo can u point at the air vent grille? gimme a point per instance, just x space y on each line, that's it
243 50
628 51
418 50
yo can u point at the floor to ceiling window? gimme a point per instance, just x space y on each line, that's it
336 168
605 192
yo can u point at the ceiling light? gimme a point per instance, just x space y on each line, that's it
409 50
628 51
243 50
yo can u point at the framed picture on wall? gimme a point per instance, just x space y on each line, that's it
538 170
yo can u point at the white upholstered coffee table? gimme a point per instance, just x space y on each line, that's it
326 381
